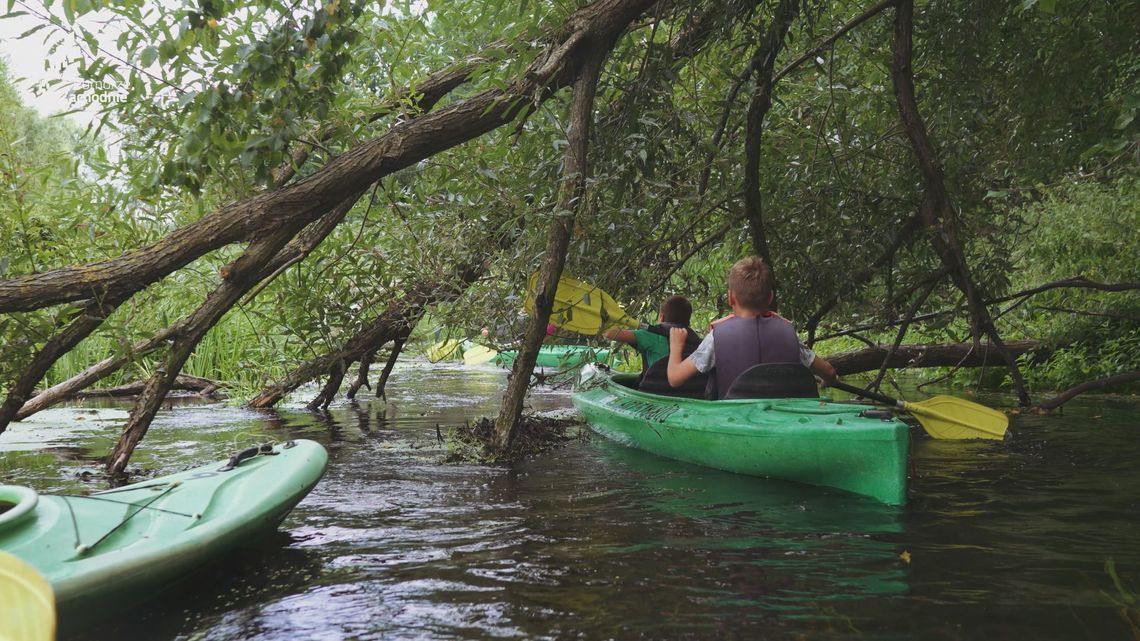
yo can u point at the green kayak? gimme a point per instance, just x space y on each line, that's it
111 549
559 356
808 440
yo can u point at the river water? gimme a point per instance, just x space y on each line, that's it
1036 538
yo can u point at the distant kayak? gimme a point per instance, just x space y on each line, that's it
559 356
115 548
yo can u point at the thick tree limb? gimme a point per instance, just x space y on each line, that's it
763 62
939 355
1088 386
304 201
294 252
88 320
572 192
238 278
424 96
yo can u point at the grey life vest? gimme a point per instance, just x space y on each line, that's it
740 343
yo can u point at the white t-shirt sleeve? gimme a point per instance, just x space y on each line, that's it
704 357
807 357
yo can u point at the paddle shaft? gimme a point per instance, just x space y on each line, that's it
882 398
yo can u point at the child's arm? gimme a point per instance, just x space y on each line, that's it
623 335
824 370
680 370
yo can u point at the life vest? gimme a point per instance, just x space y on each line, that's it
654 376
741 343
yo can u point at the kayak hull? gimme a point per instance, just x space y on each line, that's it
558 356
111 549
811 441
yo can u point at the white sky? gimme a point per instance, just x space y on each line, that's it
27 57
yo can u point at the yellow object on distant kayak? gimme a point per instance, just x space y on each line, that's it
27 604
476 354
582 308
451 348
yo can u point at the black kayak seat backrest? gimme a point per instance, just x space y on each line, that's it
774 380
656 381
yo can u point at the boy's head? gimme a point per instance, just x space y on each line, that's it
750 282
676 309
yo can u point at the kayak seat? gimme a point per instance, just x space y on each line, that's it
655 380
774 380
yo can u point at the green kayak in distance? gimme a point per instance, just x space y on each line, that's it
109 550
558 356
807 440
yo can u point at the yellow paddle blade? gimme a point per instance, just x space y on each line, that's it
581 307
477 354
948 417
443 350
27 604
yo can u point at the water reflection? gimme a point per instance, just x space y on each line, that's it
596 541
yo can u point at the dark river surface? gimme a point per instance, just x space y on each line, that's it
1038 538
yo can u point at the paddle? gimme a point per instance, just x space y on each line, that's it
945 417
581 307
26 601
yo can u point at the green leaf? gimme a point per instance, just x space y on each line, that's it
148 56
30 31
92 42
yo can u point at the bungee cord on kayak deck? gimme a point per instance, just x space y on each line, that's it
84 549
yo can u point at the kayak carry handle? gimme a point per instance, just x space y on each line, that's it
245 455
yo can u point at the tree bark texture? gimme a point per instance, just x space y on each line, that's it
572 195
937 208
294 252
763 63
939 355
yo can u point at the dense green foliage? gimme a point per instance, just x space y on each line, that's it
1035 128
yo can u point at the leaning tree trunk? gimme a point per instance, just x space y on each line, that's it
239 277
764 63
405 144
293 253
937 208
573 191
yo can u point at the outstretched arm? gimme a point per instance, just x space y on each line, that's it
623 335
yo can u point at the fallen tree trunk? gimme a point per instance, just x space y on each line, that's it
1087 386
934 355
182 383
393 324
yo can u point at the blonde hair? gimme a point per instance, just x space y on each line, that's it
750 280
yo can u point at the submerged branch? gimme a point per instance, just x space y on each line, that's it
1087 386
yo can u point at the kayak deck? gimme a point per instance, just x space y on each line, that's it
812 441
120 546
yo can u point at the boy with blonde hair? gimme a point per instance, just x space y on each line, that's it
752 335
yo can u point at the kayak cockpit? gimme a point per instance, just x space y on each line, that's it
17 504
